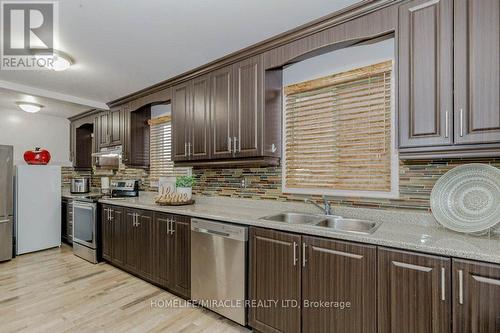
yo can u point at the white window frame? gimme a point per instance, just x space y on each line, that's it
392 194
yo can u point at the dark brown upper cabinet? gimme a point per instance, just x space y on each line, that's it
449 60
191 119
82 143
199 118
180 121
136 143
477 68
110 127
221 113
230 114
426 73
248 107
338 271
414 292
476 297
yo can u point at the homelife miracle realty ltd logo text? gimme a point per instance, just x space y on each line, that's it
29 31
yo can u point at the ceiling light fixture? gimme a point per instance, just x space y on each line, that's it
56 60
29 107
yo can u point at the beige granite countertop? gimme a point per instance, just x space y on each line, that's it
410 230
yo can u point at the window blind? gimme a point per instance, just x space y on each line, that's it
161 164
338 131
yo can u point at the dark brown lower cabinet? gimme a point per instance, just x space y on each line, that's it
339 286
182 255
275 276
413 292
153 246
321 285
139 253
113 234
476 297
164 250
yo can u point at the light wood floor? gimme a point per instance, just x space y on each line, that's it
54 291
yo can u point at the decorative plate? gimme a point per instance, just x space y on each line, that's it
467 198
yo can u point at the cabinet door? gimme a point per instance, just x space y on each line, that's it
115 126
182 257
425 73
198 148
275 274
72 142
221 112
477 71
476 297
164 250
248 105
131 241
335 271
118 234
180 121
413 292
107 233
102 126
145 239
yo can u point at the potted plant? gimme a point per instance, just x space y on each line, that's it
184 185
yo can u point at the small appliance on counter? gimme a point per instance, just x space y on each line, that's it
124 188
80 185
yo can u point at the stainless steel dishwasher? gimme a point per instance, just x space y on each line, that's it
219 267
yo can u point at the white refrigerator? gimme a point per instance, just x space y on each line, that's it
38 207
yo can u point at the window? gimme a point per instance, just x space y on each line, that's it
339 134
161 164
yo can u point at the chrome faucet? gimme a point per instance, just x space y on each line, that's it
327 208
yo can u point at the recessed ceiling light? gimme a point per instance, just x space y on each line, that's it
29 107
56 60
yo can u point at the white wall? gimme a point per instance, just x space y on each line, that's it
339 61
25 131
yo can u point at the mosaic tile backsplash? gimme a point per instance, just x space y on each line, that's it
415 182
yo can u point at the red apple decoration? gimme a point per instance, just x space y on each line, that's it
37 156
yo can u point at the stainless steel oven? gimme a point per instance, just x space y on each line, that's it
85 229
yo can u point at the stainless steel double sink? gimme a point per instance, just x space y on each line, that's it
336 223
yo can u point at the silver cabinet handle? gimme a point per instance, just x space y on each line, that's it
185 149
304 260
443 284
461 122
235 140
189 148
460 286
447 124
295 254
4 221
229 144
137 220
168 226
172 226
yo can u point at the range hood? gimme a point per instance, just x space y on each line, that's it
108 157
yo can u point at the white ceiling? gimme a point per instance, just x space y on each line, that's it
53 107
121 46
